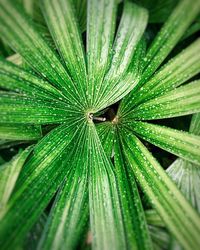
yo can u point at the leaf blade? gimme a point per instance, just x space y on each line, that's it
169 203
182 144
19 132
184 100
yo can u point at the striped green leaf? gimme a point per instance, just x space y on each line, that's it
39 179
101 17
174 73
182 144
19 132
195 124
178 215
187 175
160 237
16 108
15 78
117 83
137 235
104 202
63 25
153 218
71 204
184 100
18 30
106 133
134 73
173 29
9 173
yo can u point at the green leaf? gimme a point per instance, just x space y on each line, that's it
9 173
187 175
101 17
195 124
182 144
173 29
134 73
192 29
104 203
35 233
184 100
159 10
174 73
160 237
117 83
19 132
137 234
39 180
106 133
5 144
187 178
16 108
153 218
81 7
176 212
19 32
69 216
17 79
63 25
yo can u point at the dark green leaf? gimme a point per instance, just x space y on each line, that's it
19 132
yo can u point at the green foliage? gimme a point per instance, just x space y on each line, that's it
79 90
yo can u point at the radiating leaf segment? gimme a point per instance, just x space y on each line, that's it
66 87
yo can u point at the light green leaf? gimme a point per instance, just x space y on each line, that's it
104 203
153 218
174 73
16 108
40 178
19 132
19 32
160 237
9 172
178 215
187 177
184 100
16 59
69 216
173 29
101 16
182 144
117 83
63 25
134 73
137 234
